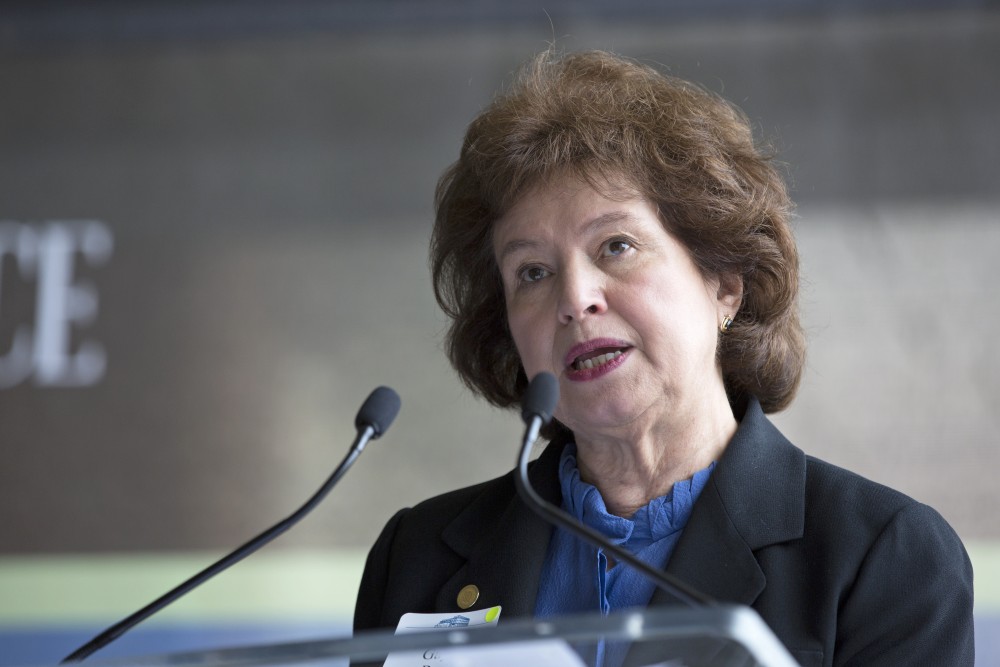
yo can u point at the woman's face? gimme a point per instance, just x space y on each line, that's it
601 296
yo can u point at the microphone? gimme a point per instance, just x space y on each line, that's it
539 403
374 419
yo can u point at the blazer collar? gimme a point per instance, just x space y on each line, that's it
756 497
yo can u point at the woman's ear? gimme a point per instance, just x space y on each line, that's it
730 293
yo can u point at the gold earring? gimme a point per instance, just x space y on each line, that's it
727 324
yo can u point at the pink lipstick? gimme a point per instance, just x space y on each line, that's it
595 358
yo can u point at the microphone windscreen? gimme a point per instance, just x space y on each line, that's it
378 410
540 398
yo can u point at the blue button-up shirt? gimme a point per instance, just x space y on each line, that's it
575 576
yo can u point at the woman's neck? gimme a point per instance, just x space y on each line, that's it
633 466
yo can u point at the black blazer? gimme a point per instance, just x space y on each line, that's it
844 570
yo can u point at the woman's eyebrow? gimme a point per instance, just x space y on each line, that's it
611 218
513 246
608 219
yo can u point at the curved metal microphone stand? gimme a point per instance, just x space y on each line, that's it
373 419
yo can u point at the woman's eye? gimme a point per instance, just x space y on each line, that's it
532 274
616 247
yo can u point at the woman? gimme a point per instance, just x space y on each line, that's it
619 229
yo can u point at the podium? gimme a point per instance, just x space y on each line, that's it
718 636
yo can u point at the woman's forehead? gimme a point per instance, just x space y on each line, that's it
566 186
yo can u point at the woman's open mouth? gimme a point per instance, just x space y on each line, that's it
596 358
586 361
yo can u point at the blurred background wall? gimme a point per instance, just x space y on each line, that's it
213 230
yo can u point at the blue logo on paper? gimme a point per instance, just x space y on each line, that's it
453 622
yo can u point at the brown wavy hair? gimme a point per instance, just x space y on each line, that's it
608 119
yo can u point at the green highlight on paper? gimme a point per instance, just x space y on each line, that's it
492 613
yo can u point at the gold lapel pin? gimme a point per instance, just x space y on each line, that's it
468 596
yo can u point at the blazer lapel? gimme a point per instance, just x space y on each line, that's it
713 558
756 497
504 555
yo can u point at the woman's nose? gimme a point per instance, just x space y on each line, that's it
581 295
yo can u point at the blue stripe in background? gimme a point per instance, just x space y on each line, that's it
988 640
27 646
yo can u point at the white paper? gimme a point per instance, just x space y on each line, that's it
466 619
549 652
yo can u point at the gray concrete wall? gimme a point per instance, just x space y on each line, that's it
270 202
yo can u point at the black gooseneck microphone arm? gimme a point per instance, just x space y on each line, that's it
540 401
374 418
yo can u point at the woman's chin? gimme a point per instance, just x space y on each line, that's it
606 419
